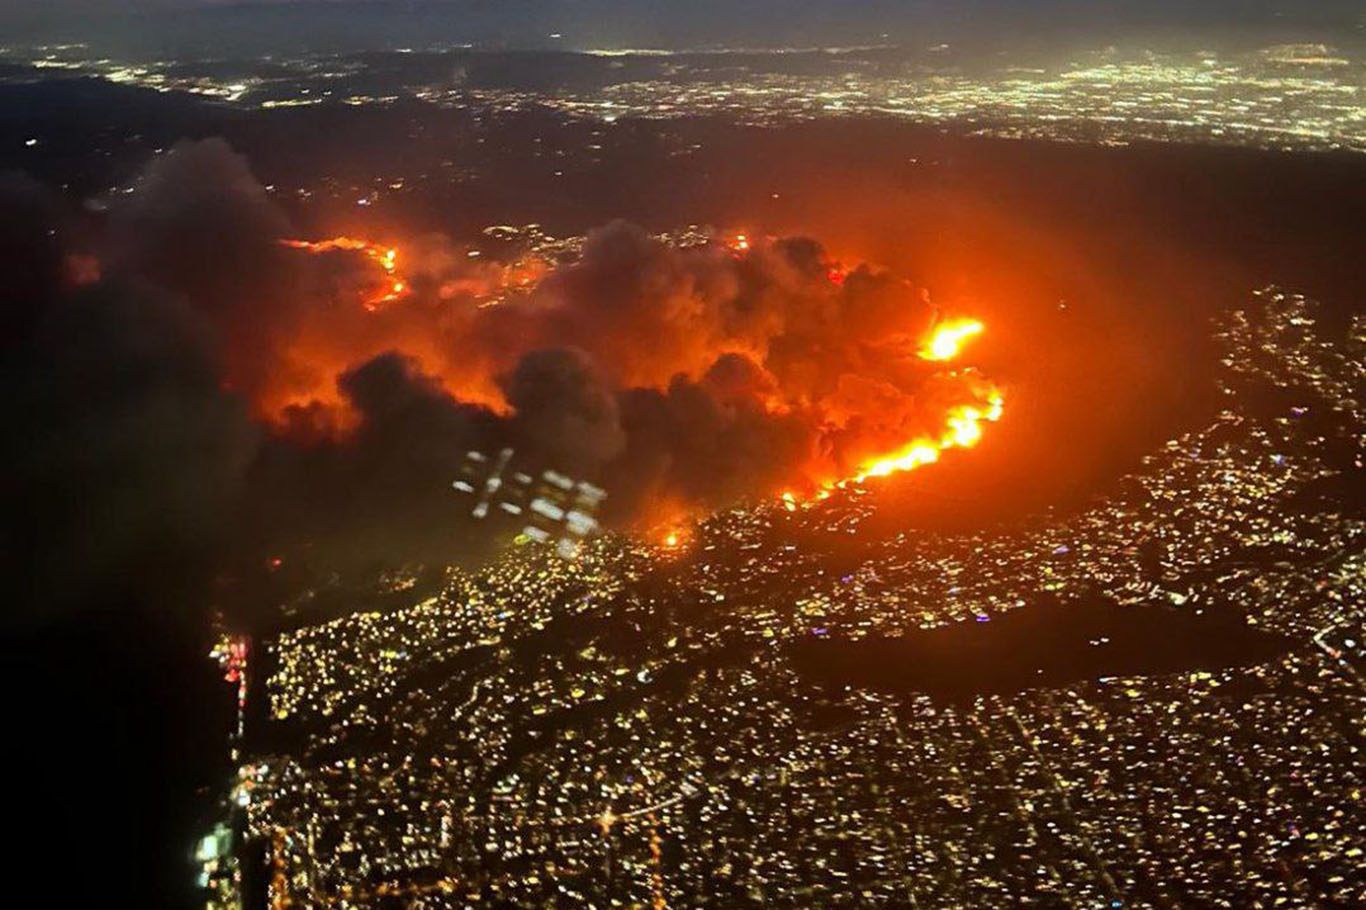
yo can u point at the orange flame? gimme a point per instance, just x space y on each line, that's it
386 257
963 425
948 339
963 430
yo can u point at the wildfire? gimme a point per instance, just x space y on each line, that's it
391 288
673 536
962 425
948 339
963 430
870 413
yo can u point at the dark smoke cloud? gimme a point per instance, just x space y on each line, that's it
564 409
696 444
122 450
123 460
199 224
32 258
379 492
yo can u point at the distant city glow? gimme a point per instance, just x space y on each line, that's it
1282 96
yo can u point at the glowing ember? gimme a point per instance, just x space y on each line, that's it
385 257
948 339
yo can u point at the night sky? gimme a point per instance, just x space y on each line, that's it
595 23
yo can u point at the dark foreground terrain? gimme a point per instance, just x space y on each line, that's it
1045 645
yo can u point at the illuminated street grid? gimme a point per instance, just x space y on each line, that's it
1301 96
629 729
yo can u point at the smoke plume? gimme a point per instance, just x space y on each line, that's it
327 389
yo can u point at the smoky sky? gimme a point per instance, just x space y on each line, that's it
122 452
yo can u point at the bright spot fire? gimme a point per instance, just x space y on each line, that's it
948 339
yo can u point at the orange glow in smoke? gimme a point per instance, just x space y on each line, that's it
81 269
329 342
385 257
948 339
330 345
